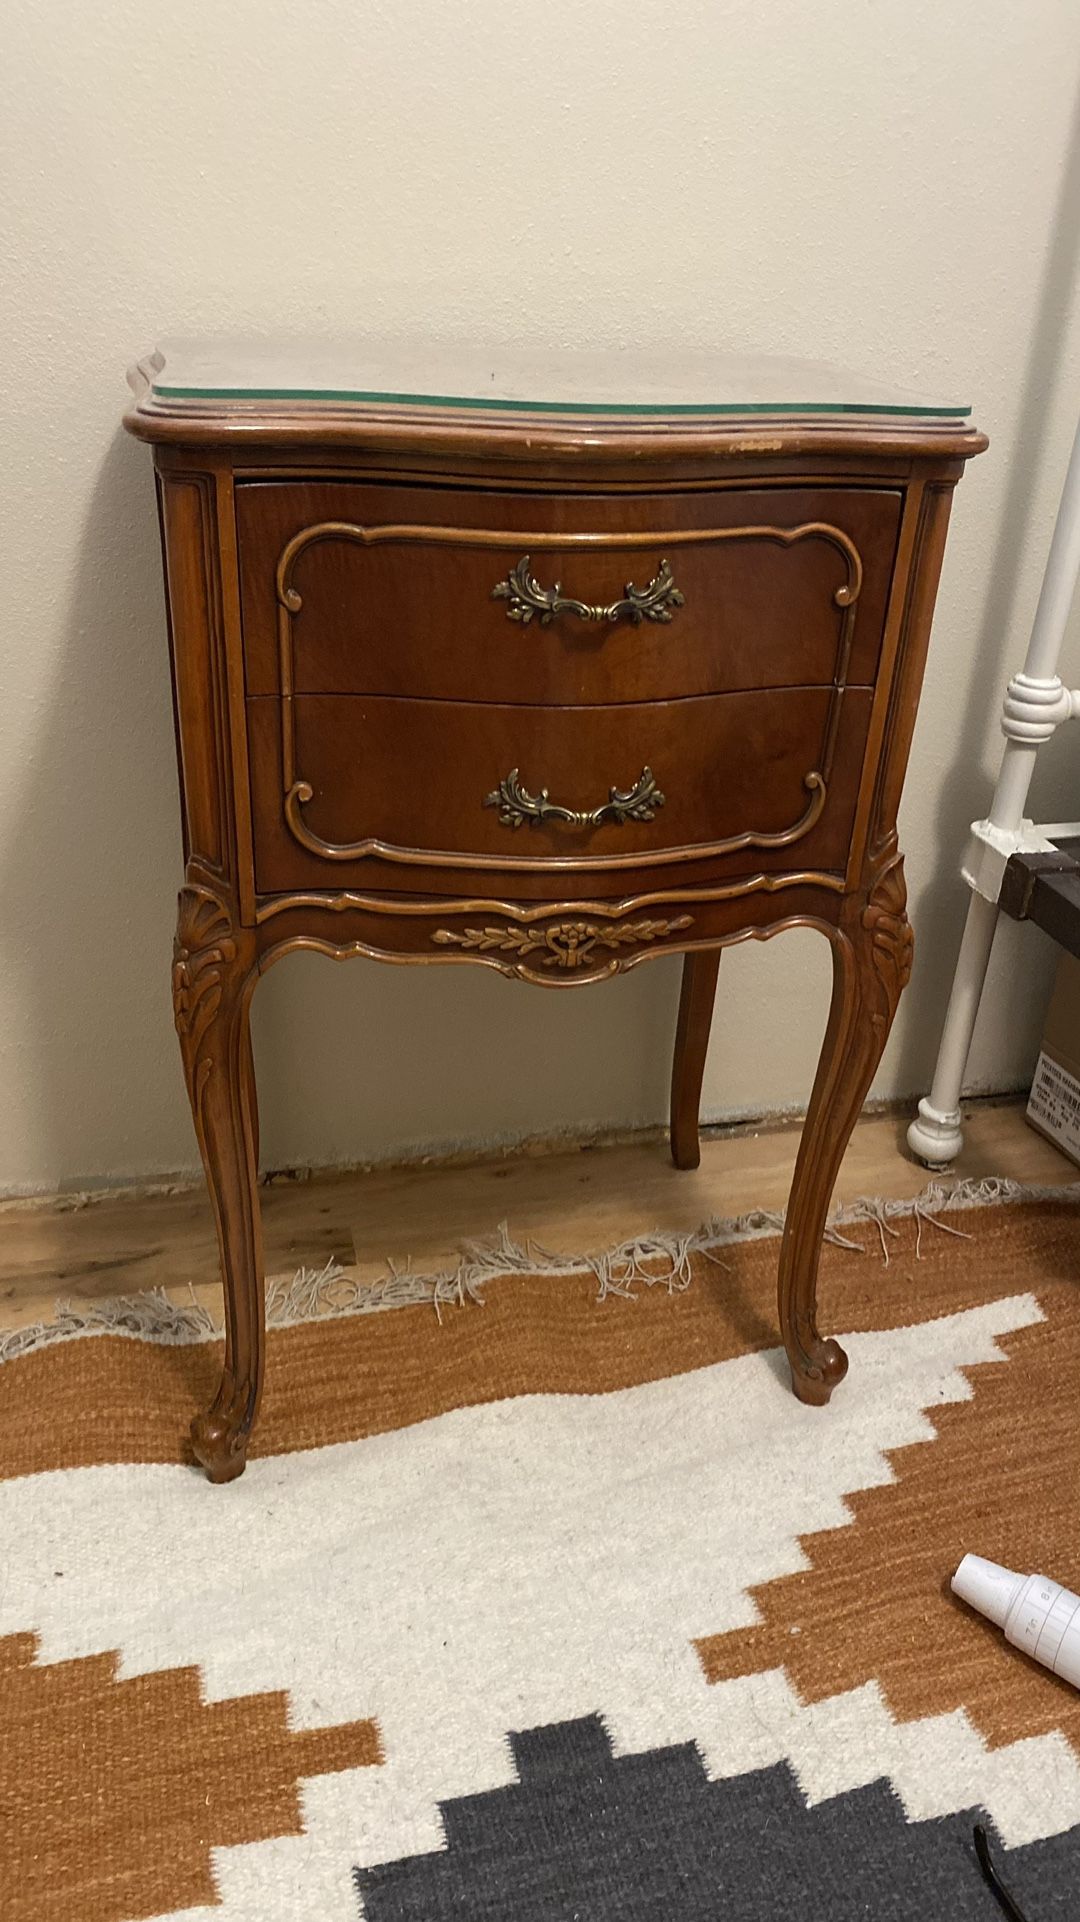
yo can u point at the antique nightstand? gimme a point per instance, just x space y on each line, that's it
546 668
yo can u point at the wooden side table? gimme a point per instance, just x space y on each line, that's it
516 667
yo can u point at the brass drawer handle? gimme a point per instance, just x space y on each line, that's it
516 805
527 598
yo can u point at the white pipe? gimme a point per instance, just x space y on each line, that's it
1059 581
1035 704
936 1135
1035 696
1013 782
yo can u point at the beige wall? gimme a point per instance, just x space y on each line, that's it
894 184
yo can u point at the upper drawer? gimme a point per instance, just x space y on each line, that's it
451 595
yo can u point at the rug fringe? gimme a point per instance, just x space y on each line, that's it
660 1259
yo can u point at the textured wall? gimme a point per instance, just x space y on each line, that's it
896 185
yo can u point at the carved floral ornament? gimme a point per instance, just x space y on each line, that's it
562 944
203 952
892 939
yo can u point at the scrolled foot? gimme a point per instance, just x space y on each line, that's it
220 1444
817 1372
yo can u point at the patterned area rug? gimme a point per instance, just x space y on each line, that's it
556 1606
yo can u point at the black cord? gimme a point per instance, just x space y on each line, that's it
986 1862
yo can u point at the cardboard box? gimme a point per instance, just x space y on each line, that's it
1054 1104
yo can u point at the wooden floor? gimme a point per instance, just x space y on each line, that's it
573 1202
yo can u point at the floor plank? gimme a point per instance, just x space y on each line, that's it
574 1201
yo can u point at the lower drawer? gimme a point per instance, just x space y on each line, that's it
352 790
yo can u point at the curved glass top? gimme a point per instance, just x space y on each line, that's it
222 374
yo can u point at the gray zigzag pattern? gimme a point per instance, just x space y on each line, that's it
585 1836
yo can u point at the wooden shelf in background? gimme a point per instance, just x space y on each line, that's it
1045 888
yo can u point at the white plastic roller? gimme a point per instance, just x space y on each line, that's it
1038 1615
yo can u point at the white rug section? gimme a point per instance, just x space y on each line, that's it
502 1567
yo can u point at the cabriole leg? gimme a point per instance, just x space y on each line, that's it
872 952
691 1047
252 1093
213 978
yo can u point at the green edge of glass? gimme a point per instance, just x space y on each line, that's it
493 405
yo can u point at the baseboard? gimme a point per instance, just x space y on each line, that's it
466 1154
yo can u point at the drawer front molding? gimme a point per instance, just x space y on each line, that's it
297 790
397 906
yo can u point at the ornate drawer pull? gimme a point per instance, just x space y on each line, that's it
656 602
516 805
